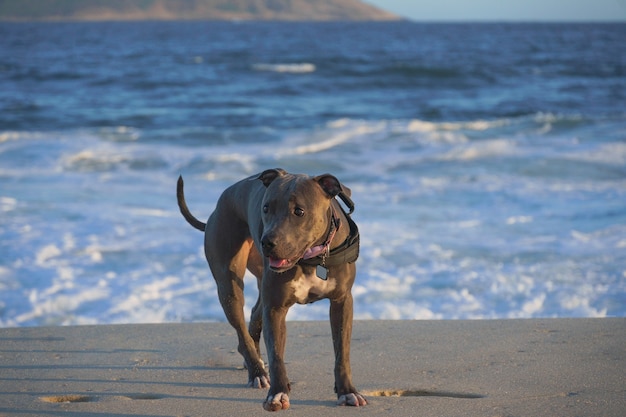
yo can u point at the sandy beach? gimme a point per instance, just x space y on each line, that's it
539 367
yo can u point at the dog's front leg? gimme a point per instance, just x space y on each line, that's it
275 334
341 312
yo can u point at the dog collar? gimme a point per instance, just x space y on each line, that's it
347 252
324 248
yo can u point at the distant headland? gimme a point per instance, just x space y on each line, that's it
103 10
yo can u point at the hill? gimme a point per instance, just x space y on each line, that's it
98 10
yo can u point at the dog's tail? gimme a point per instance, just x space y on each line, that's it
180 196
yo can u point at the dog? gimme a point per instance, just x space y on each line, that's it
292 233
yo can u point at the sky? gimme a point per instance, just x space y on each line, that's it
506 10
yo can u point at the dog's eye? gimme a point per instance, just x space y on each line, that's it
298 212
266 208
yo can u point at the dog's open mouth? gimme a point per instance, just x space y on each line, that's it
281 265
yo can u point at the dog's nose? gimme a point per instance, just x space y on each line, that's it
267 243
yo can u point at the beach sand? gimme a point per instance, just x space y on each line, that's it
539 367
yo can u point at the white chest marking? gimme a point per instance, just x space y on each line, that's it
309 288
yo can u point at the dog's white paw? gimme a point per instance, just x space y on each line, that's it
259 382
276 402
354 399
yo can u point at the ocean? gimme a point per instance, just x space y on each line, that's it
487 162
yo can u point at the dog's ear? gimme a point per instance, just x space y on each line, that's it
270 175
329 184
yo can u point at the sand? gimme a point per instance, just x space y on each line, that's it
551 367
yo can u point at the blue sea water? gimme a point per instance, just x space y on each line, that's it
487 162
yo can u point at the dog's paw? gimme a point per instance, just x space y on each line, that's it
276 402
259 382
354 399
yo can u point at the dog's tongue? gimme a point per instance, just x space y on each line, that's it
278 263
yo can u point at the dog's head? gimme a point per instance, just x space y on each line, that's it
296 215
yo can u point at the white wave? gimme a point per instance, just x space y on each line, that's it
150 212
406 310
15 136
246 160
578 304
296 68
47 253
482 149
341 131
543 117
164 299
106 158
120 134
92 160
469 224
60 308
7 204
94 254
519 219
607 153
534 305
339 123
417 125
422 126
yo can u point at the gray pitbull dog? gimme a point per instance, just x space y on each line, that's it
291 232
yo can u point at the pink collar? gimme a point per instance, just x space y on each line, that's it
324 247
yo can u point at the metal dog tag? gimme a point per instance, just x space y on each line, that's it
321 272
